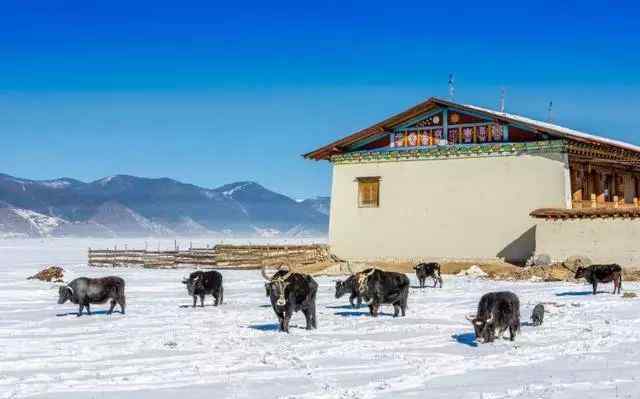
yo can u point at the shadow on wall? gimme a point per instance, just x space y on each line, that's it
520 249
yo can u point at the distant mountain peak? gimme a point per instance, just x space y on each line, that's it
228 190
122 205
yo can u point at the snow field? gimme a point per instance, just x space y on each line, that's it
162 348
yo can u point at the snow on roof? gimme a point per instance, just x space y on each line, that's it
556 128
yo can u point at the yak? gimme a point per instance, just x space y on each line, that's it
379 287
424 270
85 291
291 292
349 286
595 274
202 283
497 312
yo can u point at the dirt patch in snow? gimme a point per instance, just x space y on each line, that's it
493 270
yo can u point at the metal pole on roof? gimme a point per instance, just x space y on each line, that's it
550 112
502 95
452 89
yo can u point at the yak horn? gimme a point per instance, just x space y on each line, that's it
263 272
471 318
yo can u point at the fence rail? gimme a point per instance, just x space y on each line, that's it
220 256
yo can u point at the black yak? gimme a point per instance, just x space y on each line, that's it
595 274
424 270
379 287
202 283
85 291
497 312
291 292
349 286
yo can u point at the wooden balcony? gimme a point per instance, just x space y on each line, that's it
595 202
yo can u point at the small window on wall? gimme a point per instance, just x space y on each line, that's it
368 192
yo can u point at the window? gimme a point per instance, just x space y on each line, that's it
368 192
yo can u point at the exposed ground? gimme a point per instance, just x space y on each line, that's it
162 348
494 270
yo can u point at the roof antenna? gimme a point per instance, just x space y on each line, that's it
550 112
452 89
502 95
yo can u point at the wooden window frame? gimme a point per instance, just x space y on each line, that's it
371 182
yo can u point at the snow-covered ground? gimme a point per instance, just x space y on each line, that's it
588 346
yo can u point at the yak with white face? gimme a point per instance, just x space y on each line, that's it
202 283
85 291
291 292
497 312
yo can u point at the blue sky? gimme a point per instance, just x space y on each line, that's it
210 94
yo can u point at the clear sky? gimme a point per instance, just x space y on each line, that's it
209 94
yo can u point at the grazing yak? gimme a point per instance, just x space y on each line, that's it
202 283
349 286
85 291
537 317
378 287
595 274
424 270
291 292
497 312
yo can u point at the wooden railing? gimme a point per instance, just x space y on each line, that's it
594 203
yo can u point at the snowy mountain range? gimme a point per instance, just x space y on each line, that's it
134 206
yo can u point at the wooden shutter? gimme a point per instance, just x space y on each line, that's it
368 192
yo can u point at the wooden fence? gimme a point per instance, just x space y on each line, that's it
220 256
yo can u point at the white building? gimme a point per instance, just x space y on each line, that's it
446 180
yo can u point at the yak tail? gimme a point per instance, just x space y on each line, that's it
620 284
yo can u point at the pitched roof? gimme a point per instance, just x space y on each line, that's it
434 102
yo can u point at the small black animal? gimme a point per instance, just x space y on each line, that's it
291 292
537 316
202 283
349 286
595 274
85 291
497 312
424 270
379 287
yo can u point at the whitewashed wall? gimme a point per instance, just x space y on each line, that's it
606 240
467 208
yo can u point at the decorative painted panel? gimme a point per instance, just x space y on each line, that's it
416 138
484 133
462 134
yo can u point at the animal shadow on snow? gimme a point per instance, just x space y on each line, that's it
84 313
206 305
272 327
359 314
340 307
468 339
580 293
